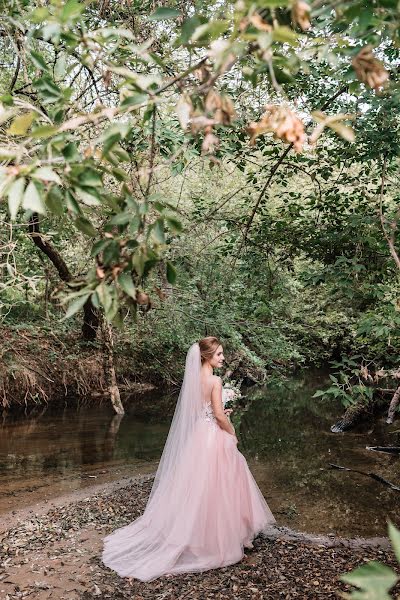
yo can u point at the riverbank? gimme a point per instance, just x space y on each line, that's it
46 362
41 366
55 553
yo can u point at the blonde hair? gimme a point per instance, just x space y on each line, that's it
208 346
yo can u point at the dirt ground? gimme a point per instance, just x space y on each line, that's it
55 553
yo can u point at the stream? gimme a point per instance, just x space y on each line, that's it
284 434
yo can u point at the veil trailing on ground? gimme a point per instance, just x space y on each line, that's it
204 504
187 411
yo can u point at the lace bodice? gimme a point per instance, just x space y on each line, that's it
208 413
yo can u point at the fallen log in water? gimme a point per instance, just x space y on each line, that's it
351 417
392 486
386 449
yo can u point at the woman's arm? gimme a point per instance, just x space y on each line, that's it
217 406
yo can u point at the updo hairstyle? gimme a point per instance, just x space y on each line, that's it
208 346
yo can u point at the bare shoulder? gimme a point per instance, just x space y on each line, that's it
216 381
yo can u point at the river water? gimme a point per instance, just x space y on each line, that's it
284 434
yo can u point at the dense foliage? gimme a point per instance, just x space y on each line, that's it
159 157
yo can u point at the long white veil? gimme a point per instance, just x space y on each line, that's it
187 411
204 503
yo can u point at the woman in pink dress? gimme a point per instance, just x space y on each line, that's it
205 506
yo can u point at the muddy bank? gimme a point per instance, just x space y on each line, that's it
35 497
40 367
55 554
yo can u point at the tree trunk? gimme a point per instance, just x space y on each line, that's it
393 406
110 368
43 245
90 321
90 314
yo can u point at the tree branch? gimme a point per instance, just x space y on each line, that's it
272 173
16 73
90 314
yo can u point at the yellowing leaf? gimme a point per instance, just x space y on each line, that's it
346 132
21 124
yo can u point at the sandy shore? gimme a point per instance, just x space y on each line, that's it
53 551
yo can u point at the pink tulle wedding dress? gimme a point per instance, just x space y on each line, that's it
204 506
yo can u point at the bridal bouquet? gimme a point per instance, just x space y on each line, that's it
230 393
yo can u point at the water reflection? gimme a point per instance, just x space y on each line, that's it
284 433
53 452
287 439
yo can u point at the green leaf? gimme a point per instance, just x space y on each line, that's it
126 283
272 3
90 177
70 152
171 273
115 132
210 31
88 199
121 219
189 26
72 9
49 91
61 66
285 35
157 231
163 13
119 174
39 61
394 535
72 204
95 300
46 174
15 195
174 225
138 263
54 200
354 87
113 308
121 154
99 247
76 305
143 208
374 579
134 99
84 225
32 199
44 131
111 253
7 99
104 296
21 124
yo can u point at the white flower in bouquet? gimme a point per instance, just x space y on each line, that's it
231 392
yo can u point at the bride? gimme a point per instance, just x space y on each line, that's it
204 506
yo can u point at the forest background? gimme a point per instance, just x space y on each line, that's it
175 170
